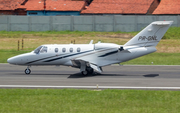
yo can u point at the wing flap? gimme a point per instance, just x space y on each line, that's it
95 67
82 65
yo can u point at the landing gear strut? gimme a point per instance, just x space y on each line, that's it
27 71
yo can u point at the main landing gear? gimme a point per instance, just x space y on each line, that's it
27 71
88 71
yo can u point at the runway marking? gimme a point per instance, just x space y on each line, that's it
89 87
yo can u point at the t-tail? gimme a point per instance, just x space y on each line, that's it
151 35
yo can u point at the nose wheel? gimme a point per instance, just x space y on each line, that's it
27 71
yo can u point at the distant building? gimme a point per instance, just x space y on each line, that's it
168 7
41 7
88 7
121 7
11 7
54 7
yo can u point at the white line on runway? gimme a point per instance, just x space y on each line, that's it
89 87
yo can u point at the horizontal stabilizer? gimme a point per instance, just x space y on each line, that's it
161 23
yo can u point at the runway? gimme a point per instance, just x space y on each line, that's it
113 77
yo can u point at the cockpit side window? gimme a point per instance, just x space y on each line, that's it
43 50
40 49
37 50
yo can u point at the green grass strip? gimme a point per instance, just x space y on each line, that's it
156 59
88 101
5 54
172 33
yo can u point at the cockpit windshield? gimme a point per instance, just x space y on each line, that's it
40 49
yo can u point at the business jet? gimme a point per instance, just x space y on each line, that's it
92 57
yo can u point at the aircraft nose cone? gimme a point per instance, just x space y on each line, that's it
11 61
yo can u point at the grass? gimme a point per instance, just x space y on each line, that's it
16 34
156 59
5 54
81 101
172 33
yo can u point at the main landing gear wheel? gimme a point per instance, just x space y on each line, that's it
84 73
27 71
90 71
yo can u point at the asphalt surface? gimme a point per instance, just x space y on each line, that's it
125 76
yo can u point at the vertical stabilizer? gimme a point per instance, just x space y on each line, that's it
151 35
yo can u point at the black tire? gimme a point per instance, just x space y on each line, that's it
27 71
90 71
85 73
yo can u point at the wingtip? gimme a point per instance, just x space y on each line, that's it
162 22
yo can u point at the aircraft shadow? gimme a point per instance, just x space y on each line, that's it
151 75
40 74
79 75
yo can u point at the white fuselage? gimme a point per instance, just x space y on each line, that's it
101 54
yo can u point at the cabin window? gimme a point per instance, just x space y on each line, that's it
56 50
78 49
71 50
63 49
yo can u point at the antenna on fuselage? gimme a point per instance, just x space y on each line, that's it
91 42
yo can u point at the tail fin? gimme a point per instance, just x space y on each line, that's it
151 35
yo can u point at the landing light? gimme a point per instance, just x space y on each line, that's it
149 30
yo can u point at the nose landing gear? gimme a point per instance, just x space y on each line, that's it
27 71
